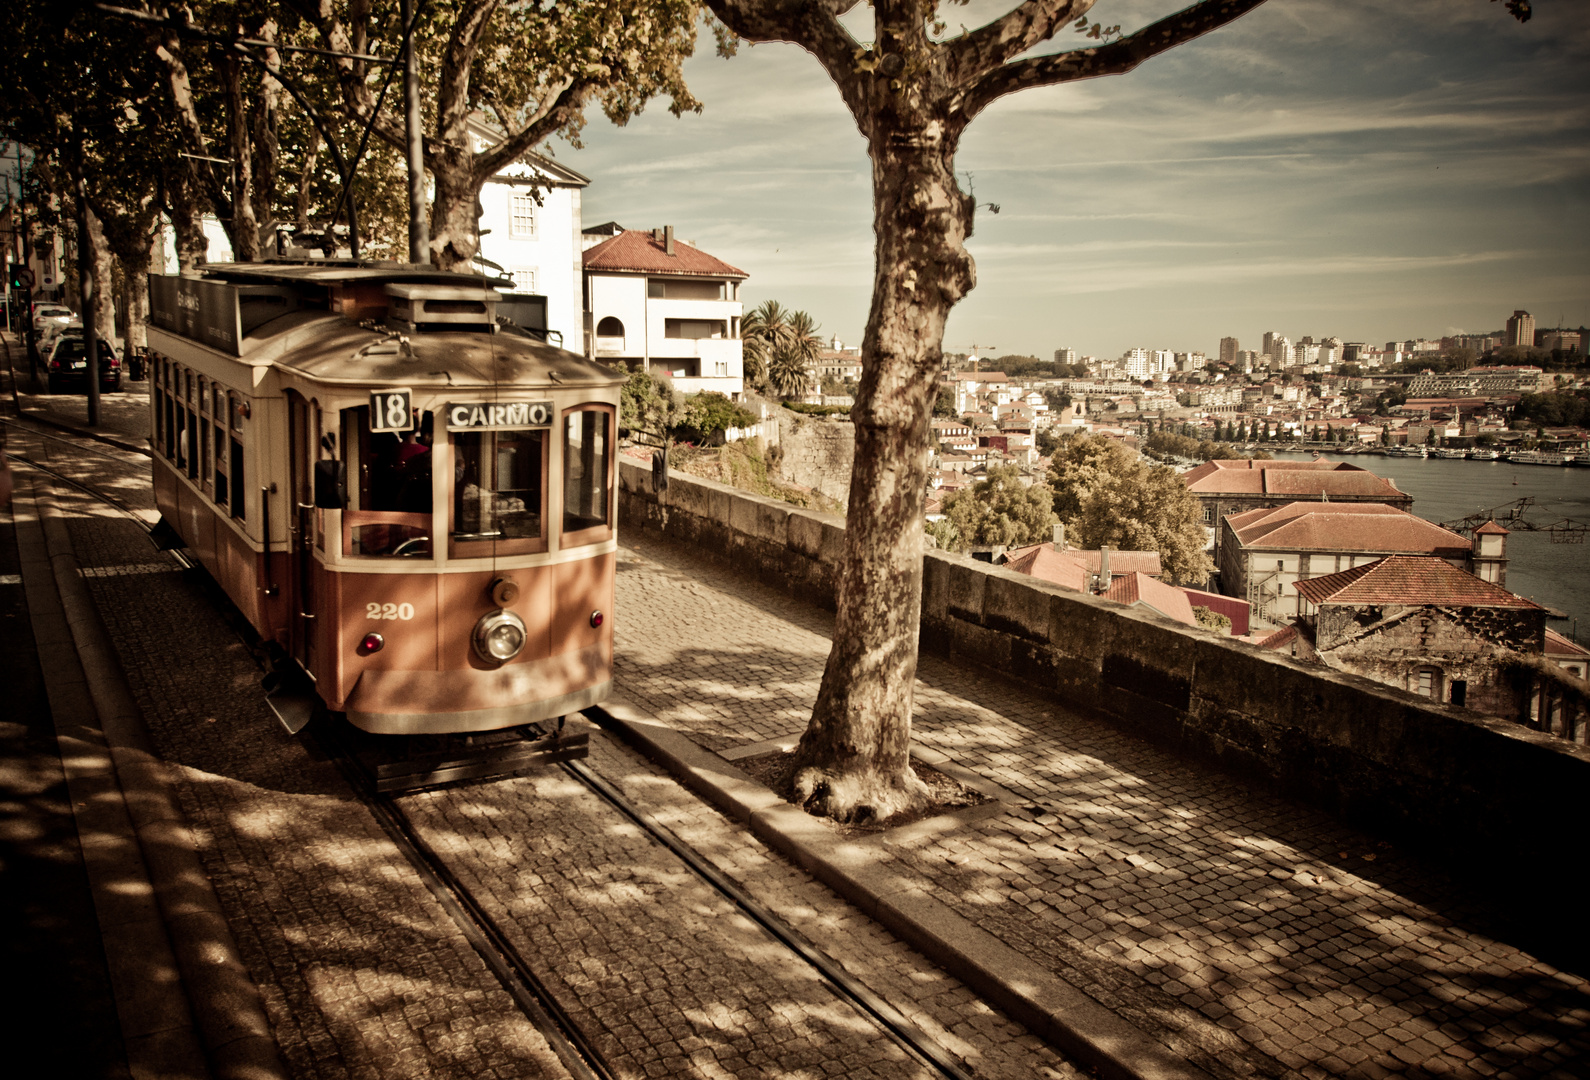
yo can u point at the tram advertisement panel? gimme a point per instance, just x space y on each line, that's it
203 311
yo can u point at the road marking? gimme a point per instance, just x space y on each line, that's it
127 570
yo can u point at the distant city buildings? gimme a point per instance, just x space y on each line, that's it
1229 347
1065 356
1521 329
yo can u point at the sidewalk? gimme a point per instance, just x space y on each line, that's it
1243 934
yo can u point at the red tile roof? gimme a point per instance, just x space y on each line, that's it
1277 639
1490 528
1290 478
1136 588
1042 561
1557 645
1408 579
1362 527
638 251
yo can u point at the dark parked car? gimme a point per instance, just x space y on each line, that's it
68 364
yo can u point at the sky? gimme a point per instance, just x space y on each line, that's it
1344 168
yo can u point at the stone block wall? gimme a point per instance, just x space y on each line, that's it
817 453
1442 779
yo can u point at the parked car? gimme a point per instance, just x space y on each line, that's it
68 363
46 316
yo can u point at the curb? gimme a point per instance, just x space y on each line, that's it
1029 993
228 1013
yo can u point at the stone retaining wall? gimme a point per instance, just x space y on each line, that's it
1385 760
818 452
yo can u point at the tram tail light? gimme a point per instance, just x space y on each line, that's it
597 619
371 643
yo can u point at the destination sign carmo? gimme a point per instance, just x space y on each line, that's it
497 415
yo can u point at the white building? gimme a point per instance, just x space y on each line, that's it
530 232
1065 356
654 301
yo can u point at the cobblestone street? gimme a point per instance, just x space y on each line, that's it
1250 936
363 974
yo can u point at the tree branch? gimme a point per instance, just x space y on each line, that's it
547 121
1033 23
813 25
1116 58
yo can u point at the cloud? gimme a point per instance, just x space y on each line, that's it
1401 167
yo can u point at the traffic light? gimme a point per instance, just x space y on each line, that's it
21 276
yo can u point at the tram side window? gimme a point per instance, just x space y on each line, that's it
497 489
196 435
171 413
236 463
182 454
220 464
586 445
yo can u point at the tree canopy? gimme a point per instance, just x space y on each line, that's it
1106 494
1001 510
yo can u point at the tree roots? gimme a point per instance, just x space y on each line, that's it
866 798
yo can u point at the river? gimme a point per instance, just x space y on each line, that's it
1446 489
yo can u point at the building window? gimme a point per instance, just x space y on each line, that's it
524 279
1209 516
1427 683
1460 691
694 328
610 327
522 216
665 289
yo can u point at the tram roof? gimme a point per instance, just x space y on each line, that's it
343 271
329 348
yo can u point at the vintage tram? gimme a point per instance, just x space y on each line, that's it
411 497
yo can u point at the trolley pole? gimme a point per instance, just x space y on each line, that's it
419 228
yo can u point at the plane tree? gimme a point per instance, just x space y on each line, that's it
912 92
531 69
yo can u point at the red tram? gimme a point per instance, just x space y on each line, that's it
410 497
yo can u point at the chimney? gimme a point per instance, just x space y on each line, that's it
656 235
1059 537
668 239
1104 566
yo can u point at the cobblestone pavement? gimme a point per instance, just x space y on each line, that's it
1251 935
361 971
362 974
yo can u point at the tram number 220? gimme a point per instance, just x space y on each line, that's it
389 611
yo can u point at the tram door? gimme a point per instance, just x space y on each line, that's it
301 453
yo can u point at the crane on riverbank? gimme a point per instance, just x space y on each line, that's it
1516 516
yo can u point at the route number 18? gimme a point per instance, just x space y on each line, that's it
391 410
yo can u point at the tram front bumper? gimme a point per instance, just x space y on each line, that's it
387 702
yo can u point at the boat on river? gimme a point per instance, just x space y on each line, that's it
1539 457
1407 451
1485 455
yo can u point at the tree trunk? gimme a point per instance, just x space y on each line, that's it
853 763
135 298
454 220
187 226
102 266
243 229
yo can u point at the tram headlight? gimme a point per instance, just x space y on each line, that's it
499 636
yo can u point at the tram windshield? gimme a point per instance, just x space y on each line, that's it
498 480
390 491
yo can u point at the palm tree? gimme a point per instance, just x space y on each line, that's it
788 374
789 371
763 331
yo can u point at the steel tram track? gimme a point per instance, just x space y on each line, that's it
507 963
